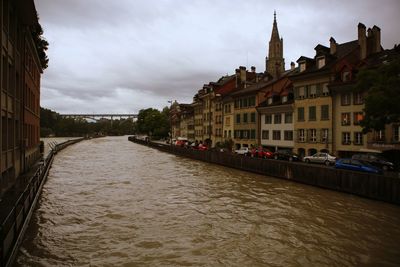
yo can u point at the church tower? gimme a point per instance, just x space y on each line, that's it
275 63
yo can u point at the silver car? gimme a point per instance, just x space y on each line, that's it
321 157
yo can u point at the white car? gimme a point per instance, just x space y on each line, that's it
243 151
321 157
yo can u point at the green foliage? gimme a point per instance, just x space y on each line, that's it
154 123
227 144
51 123
382 102
41 45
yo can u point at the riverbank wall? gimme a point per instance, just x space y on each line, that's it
18 204
377 187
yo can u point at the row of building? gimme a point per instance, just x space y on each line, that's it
20 72
312 107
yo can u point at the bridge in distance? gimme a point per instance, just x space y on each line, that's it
97 117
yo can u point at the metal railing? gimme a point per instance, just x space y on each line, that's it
15 223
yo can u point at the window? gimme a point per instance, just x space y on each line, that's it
301 135
324 135
228 121
253 117
229 133
244 103
269 100
284 99
346 119
345 99
346 76
268 119
288 135
358 98
288 117
277 119
245 119
396 132
313 91
302 66
276 135
225 134
325 89
358 138
265 134
252 101
313 135
238 118
312 113
346 138
358 116
324 112
300 114
302 93
320 62
236 134
380 136
245 134
253 134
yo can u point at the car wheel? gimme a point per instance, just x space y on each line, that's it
307 161
290 159
276 157
385 168
327 163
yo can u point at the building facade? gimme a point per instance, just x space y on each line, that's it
276 115
20 91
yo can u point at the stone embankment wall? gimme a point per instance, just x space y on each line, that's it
18 204
372 186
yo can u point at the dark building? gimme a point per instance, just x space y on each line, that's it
20 90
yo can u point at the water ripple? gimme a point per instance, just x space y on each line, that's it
109 202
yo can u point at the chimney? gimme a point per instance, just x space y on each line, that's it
376 33
292 65
332 46
362 40
242 74
253 69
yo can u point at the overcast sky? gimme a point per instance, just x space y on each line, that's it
120 56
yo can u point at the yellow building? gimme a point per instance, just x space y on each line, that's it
198 117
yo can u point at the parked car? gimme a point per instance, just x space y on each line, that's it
243 151
321 157
286 154
261 153
376 160
202 147
264 153
356 165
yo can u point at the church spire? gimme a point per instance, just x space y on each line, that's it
275 32
275 64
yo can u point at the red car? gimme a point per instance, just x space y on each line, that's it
202 147
262 153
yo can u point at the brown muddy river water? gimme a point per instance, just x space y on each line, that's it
110 202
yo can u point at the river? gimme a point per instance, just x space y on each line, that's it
110 202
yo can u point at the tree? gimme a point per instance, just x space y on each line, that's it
153 122
41 44
382 102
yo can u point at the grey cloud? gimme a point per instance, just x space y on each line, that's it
126 55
